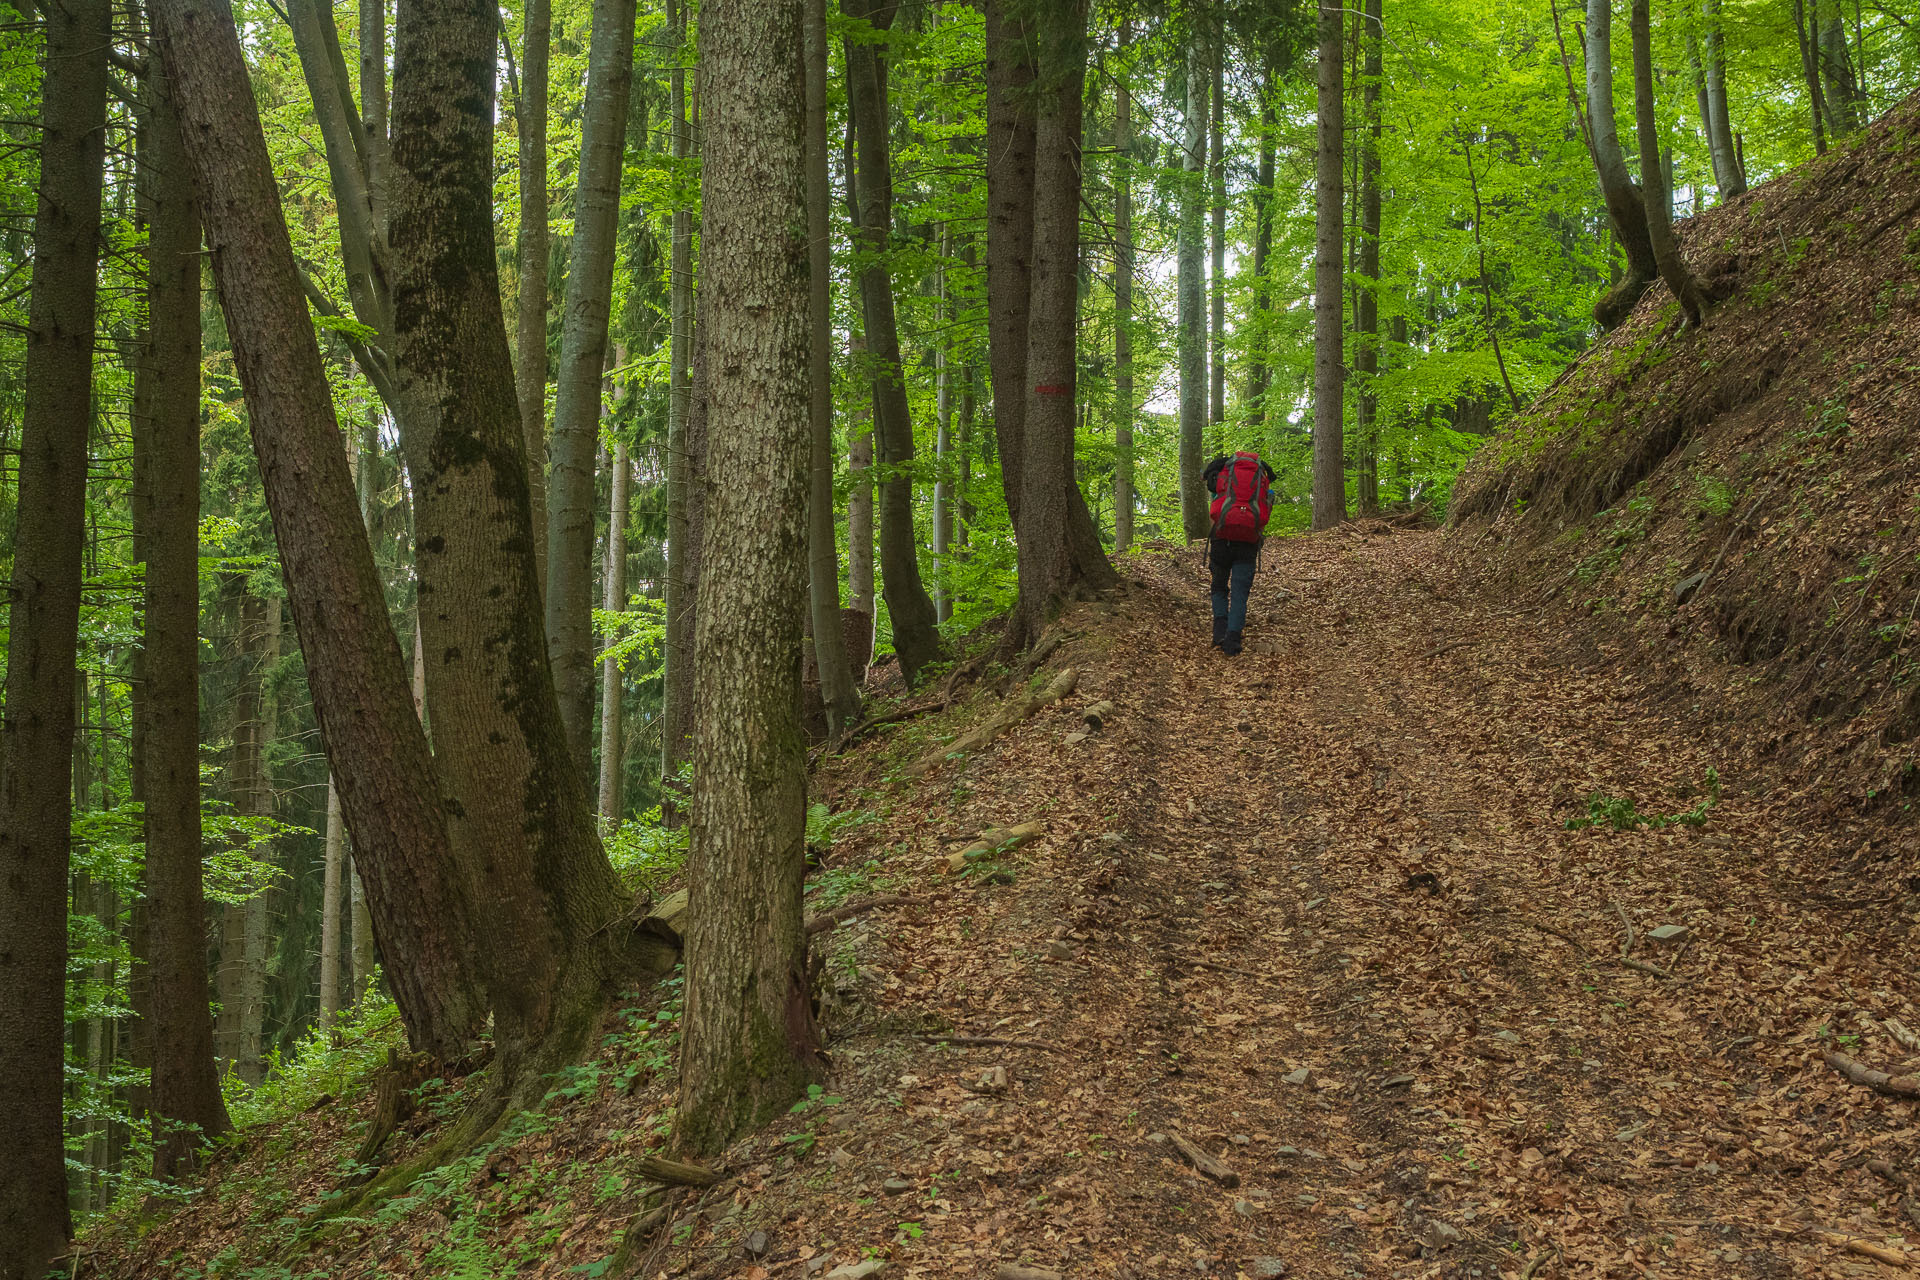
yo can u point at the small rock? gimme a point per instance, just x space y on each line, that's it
896 1186
1059 950
1243 1207
1300 1076
1240 1140
1668 933
1439 1235
839 1157
1396 1082
1074 739
818 1264
1509 1036
1267 1268
1315 903
756 1244
1015 1271
1157 1139
1683 590
858 1270
1288 1152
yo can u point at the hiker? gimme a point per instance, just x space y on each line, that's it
1242 489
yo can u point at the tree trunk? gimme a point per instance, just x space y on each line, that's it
1010 161
1625 208
583 358
750 1045
1123 294
1217 265
1329 372
860 495
1055 566
1190 284
389 791
531 254
676 698
242 976
1728 176
183 1101
1653 187
1839 88
1258 372
36 734
1366 301
519 818
837 691
943 433
612 685
335 863
910 609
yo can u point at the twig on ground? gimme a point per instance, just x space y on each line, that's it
1207 1165
1864 1247
1626 947
1641 966
827 921
1561 934
1878 1081
986 1042
1448 648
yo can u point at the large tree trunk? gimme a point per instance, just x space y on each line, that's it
1123 294
389 789
531 254
1010 160
583 358
750 1045
1191 288
519 818
916 638
1055 566
1810 74
1728 174
1329 371
184 1101
1840 89
837 690
860 589
332 880
1258 371
1366 301
241 979
1625 208
1653 186
676 697
612 687
942 432
36 734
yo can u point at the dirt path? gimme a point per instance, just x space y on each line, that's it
1345 854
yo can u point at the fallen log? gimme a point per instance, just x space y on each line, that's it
1016 710
1207 1165
1878 1081
827 921
673 1173
1866 1248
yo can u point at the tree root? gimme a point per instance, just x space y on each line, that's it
1017 710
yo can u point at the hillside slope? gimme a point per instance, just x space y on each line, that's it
1317 911
1737 505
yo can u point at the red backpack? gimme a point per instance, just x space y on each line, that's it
1242 501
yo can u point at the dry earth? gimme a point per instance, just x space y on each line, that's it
1315 910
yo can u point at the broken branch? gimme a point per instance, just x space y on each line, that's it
1200 1160
1878 1081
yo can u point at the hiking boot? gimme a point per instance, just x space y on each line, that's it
1231 645
1219 632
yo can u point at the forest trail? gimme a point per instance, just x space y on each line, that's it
1345 853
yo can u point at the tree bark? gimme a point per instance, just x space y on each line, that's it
183 1101
1653 187
1625 208
837 690
676 699
612 685
1810 72
1010 165
330 912
583 357
1217 264
1366 302
519 817
531 254
943 432
1329 372
241 977
750 1045
916 638
1258 372
1840 89
389 790
1190 286
36 734
1728 176
1123 294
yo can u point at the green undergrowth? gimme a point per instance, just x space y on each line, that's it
1621 814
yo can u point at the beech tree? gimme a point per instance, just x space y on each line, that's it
1653 185
1329 369
1626 210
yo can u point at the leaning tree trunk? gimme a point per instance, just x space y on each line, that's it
1329 372
750 1045
1625 208
389 789
1054 567
916 637
1366 302
530 254
1653 186
837 690
519 818
583 357
36 734
184 1102
1122 295
612 689
1191 287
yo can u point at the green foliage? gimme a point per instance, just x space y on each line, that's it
320 1065
1622 815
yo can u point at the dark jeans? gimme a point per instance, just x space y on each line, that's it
1232 564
